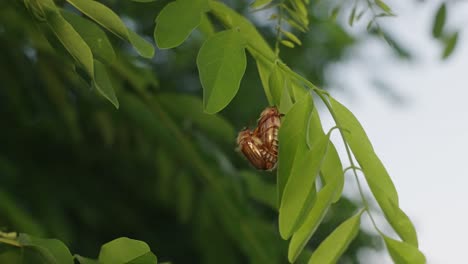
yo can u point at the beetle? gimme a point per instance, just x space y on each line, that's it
260 147
268 128
255 151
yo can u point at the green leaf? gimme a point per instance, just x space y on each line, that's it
450 45
305 169
332 170
439 21
312 221
143 1
286 101
287 43
206 27
383 6
176 21
51 249
255 41
84 260
330 250
71 41
259 3
292 37
404 253
93 35
292 136
111 21
103 84
125 250
276 82
187 107
376 175
221 64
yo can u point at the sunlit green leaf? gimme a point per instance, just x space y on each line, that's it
206 27
439 21
71 41
176 21
304 171
330 250
404 253
51 249
221 63
292 136
111 21
93 36
292 37
450 45
376 175
144 1
332 170
125 250
189 107
259 3
103 84
276 82
287 43
313 219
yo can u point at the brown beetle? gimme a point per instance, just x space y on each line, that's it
268 128
260 147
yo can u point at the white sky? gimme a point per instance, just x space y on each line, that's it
423 143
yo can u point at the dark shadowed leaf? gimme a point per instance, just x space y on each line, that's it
221 64
84 260
450 45
189 107
439 21
51 249
103 84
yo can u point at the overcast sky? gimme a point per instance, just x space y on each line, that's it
422 142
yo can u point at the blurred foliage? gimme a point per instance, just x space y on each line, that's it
158 169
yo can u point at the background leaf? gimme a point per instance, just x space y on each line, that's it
439 21
109 20
176 21
103 84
